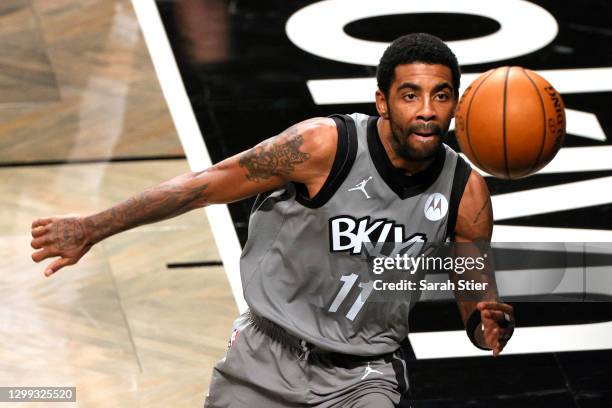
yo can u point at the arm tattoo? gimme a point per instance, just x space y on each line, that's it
274 158
158 203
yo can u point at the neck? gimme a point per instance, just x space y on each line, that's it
409 167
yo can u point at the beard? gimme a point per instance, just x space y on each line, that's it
401 140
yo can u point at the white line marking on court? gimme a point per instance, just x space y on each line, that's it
511 233
580 159
191 138
547 339
579 80
543 200
584 124
572 159
535 29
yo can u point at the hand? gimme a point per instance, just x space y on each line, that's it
498 322
64 236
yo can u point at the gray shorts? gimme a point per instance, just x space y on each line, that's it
260 372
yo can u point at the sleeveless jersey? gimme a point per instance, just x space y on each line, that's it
308 262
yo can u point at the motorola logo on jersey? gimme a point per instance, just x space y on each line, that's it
372 238
436 207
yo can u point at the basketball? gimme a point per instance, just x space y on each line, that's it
510 122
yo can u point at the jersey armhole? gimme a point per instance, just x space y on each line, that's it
460 179
343 161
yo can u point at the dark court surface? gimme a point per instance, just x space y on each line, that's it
247 81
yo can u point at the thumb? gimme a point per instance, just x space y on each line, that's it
57 265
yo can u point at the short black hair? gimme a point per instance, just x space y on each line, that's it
415 47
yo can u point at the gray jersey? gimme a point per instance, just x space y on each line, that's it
307 264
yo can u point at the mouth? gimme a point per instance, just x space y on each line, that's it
425 130
424 135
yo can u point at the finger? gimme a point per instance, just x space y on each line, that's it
504 307
492 337
38 231
495 335
496 344
503 319
493 314
494 320
40 222
57 265
505 334
38 243
44 254
493 305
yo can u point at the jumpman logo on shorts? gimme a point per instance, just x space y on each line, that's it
368 371
361 186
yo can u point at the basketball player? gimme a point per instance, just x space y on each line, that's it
330 190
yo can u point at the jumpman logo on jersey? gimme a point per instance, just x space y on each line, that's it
361 186
369 370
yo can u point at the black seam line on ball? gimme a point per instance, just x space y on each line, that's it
537 161
504 122
467 122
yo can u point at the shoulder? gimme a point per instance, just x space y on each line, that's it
475 215
310 138
299 153
318 136
476 188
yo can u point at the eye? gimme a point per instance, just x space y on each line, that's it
410 96
442 96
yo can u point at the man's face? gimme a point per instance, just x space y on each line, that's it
420 106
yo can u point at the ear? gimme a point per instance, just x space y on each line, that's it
381 104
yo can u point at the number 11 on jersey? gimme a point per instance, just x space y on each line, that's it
348 281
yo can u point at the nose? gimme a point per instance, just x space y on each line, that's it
426 111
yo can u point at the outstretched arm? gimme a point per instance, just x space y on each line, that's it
303 153
475 224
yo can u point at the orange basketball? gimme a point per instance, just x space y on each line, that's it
510 122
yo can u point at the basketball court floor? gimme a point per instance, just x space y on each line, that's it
100 99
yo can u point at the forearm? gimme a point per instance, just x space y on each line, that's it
166 200
484 289
468 301
467 304
488 321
